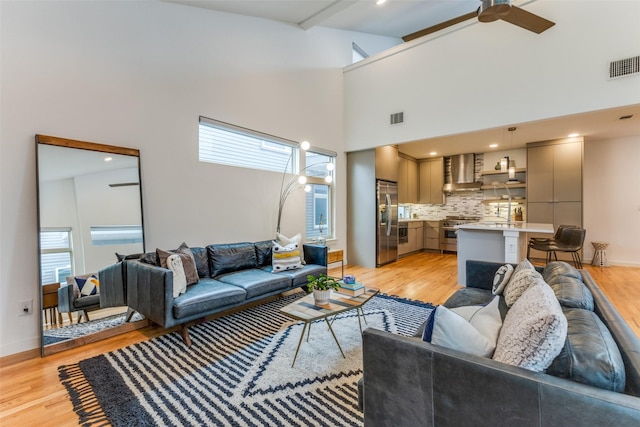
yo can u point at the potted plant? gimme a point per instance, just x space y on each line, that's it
321 287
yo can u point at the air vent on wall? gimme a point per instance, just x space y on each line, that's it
397 118
624 67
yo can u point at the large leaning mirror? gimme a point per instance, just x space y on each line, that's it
89 213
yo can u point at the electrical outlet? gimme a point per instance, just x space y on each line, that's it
26 307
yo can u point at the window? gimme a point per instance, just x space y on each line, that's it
318 202
116 235
56 255
227 144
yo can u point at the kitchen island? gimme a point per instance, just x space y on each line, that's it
495 242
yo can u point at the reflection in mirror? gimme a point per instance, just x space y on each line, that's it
89 210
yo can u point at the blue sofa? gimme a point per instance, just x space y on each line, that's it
230 275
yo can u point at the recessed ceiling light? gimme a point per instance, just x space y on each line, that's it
573 135
493 145
108 159
381 2
433 153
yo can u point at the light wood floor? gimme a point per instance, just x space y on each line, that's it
31 393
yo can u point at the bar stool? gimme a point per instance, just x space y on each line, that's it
600 254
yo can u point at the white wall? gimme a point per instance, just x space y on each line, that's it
139 74
480 76
612 198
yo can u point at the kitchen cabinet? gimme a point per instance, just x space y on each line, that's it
407 180
386 165
415 239
431 173
554 191
432 235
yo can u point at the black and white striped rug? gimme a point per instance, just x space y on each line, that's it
237 371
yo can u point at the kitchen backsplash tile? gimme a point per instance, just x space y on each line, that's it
466 204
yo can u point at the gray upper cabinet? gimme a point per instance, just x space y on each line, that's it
431 172
554 187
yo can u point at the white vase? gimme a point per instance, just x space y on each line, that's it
321 297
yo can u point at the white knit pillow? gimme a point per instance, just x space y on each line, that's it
520 281
174 263
534 330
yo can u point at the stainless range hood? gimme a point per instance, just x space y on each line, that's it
462 174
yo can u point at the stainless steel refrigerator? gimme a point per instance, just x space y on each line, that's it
387 222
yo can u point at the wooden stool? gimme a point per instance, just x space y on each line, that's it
600 255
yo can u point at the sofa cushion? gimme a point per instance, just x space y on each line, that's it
208 294
263 253
519 283
534 330
256 282
299 276
475 335
571 292
560 268
226 258
87 301
590 354
501 278
285 257
202 261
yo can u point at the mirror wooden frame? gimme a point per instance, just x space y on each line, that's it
107 333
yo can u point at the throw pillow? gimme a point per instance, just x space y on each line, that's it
534 330
448 329
285 241
188 261
485 318
85 285
174 263
285 257
520 282
525 264
501 278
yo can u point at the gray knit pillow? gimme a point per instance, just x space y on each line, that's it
534 330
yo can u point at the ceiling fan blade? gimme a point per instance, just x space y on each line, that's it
440 26
527 20
124 184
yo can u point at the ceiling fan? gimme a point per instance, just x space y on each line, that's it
489 11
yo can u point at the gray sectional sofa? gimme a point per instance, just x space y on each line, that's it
410 382
229 275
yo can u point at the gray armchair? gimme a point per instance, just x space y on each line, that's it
69 301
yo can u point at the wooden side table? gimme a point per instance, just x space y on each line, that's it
334 256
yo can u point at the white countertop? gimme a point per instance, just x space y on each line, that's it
416 219
526 227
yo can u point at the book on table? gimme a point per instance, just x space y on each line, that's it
352 289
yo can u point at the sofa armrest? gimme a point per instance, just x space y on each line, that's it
66 297
315 254
113 287
410 382
150 292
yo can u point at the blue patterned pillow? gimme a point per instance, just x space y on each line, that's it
87 285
